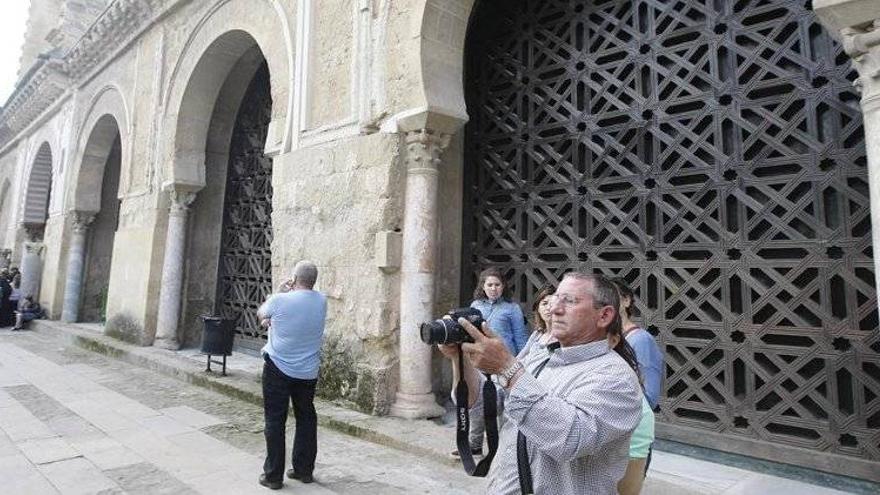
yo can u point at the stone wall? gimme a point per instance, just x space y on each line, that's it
330 81
330 203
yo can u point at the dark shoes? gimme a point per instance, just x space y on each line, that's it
272 485
474 451
304 478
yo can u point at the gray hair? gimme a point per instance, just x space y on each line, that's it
603 292
305 274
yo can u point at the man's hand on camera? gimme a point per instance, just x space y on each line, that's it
449 351
487 353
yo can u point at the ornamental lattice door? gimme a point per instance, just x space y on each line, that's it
245 269
712 153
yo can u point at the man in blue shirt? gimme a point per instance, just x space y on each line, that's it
295 318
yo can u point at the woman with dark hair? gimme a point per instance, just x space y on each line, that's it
504 316
648 354
650 362
541 314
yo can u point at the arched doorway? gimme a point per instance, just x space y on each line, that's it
712 154
39 189
228 256
102 161
244 275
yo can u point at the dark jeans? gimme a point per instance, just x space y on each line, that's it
278 389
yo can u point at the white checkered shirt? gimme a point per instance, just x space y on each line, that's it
578 416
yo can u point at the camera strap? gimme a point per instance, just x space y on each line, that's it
526 485
490 416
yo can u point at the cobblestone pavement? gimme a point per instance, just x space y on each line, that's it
72 421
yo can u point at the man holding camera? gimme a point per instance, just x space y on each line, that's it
570 413
295 318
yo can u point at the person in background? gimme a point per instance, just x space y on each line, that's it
639 445
506 319
647 351
492 298
292 357
28 310
15 297
7 315
541 315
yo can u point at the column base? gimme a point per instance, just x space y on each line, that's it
416 406
170 344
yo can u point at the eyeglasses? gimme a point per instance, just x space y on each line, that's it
565 299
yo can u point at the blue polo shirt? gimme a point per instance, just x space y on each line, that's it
297 332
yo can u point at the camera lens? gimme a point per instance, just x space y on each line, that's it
433 332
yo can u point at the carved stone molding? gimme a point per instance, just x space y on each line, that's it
863 45
35 248
119 21
33 232
180 201
50 77
856 24
81 221
423 150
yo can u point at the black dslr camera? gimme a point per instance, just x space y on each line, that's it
448 331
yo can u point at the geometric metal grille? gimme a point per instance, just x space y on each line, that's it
712 153
245 268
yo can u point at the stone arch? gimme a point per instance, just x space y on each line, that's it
96 195
438 38
208 211
35 209
5 205
106 120
226 34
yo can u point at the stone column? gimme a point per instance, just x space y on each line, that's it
172 270
76 258
418 266
31 269
856 23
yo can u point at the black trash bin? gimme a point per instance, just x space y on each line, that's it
217 339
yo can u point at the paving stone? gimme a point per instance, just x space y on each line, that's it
191 417
77 476
7 447
147 479
20 425
99 416
73 427
45 450
166 426
107 453
89 372
18 475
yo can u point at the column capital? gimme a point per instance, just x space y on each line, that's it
34 247
423 150
82 220
33 231
181 199
863 45
856 24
